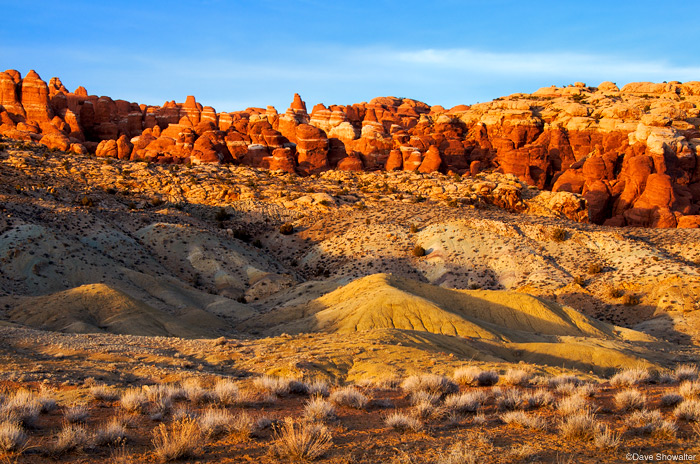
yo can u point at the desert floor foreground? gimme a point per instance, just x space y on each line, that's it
134 275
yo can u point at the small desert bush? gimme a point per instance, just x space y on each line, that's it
77 413
587 389
688 410
70 437
104 393
181 440
630 300
12 436
301 441
465 403
671 399
522 453
286 229
213 422
524 420
277 386
349 396
686 372
509 400
605 438
242 424
564 379
318 387
595 268
430 383
422 396
572 405
630 399
646 422
418 251
579 426
689 389
472 375
134 400
194 392
427 410
319 410
559 234
403 422
616 292
111 433
631 377
226 392
461 453
516 377
538 399
24 406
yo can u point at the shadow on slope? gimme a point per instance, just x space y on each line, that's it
100 308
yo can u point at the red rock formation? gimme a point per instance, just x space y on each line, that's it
630 152
312 149
35 99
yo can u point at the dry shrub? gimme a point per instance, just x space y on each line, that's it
403 422
194 392
430 383
349 396
134 400
646 422
318 387
516 377
631 377
524 420
23 407
427 410
605 438
671 399
579 426
472 375
70 437
77 413
425 397
538 399
686 372
226 392
689 389
688 410
564 379
509 400
181 440
461 453
277 386
301 440
630 399
213 422
111 433
12 436
319 410
465 403
104 393
243 425
572 405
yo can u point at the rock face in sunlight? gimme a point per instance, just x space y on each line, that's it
630 152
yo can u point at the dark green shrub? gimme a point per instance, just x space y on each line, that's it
559 234
222 215
286 229
595 268
418 251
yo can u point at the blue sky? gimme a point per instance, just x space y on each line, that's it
240 53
